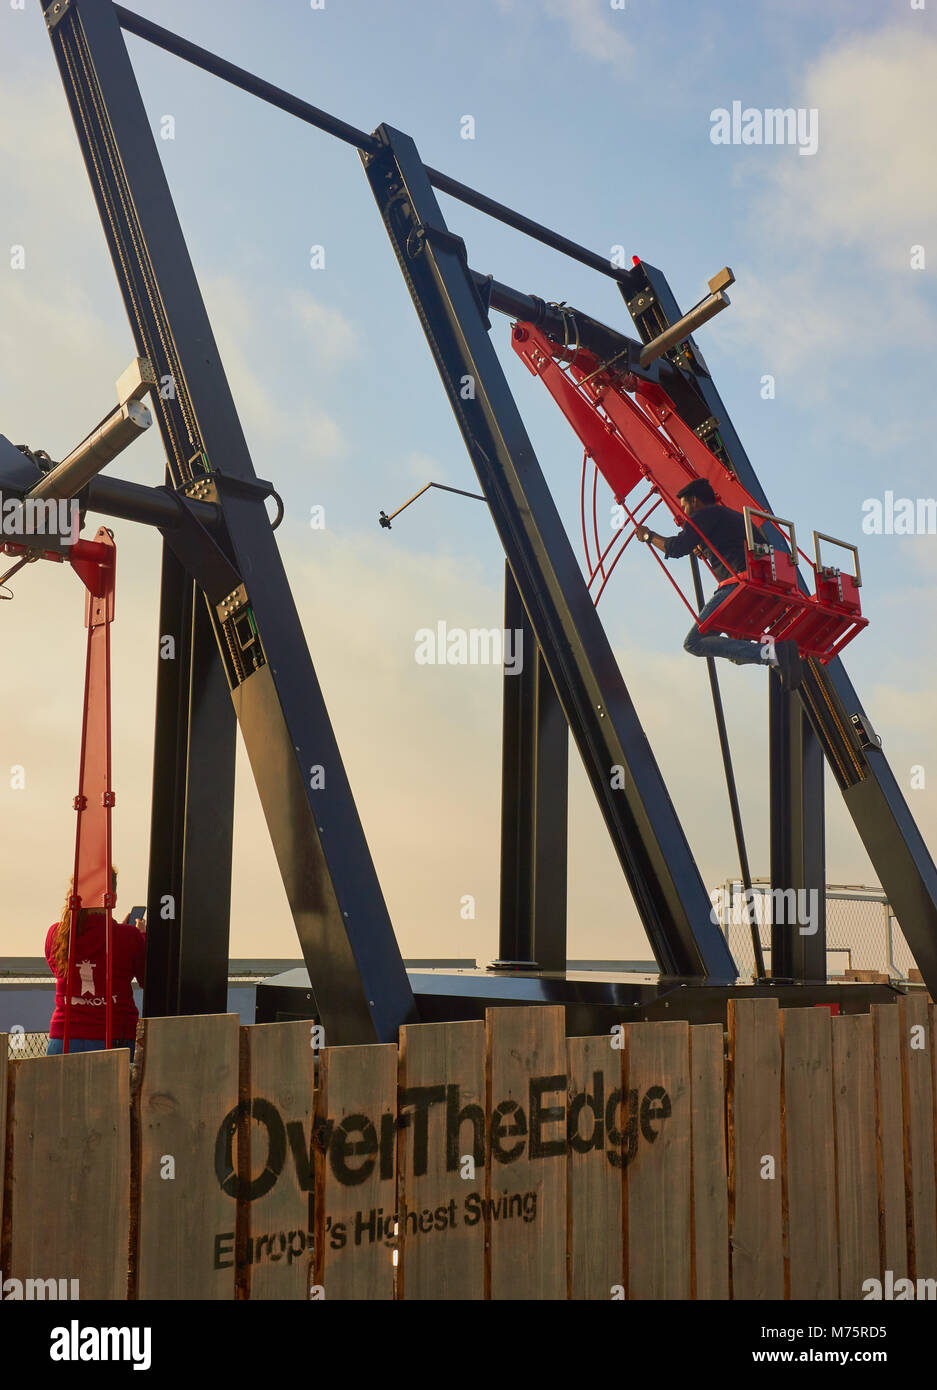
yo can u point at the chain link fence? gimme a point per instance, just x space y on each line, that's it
862 932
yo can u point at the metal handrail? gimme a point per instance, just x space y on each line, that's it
749 512
818 536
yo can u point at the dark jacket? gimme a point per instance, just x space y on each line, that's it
724 529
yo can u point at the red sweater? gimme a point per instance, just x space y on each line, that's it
88 1012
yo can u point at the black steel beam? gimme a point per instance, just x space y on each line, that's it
322 120
647 836
735 809
534 799
339 911
572 325
113 497
593 1002
148 506
191 824
880 813
798 841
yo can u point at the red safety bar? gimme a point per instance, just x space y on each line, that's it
95 564
632 439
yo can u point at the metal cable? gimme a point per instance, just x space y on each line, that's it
731 788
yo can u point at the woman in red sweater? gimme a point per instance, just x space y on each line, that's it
88 1028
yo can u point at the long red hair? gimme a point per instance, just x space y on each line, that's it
86 919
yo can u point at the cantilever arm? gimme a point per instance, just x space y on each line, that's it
385 520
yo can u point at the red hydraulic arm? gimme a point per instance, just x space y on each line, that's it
95 564
644 438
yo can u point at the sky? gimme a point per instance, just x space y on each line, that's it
595 119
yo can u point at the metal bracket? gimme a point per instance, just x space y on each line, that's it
232 603
422 232
640 302
211 486
484 292
447 240
57 12
707 429
200 490
133 384
867 735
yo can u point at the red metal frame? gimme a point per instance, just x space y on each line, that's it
645 438
95 564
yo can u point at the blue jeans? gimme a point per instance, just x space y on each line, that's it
735 649
56 1045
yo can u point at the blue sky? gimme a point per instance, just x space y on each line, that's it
596 121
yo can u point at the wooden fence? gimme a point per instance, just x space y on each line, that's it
478 1160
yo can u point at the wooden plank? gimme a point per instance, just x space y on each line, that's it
710 1216
917 1089
754 1135
184 1126
525 1175
595 1167
69 1155
657 1179
277 1085
889 1140
441 1161
856 1164
356 1172
809 1166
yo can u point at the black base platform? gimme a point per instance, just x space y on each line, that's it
594 1002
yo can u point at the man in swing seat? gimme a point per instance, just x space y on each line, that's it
724 529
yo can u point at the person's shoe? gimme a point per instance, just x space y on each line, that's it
790 665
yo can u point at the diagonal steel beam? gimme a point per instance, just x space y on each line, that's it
653 851
347 939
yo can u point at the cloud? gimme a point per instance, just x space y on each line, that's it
872 183
592 27
333 339
592 31
257 343
847 216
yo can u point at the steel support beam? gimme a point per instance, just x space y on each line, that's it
798 841
191 825
332 125
340 915
647 836
534 800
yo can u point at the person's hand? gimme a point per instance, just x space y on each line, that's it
643 533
